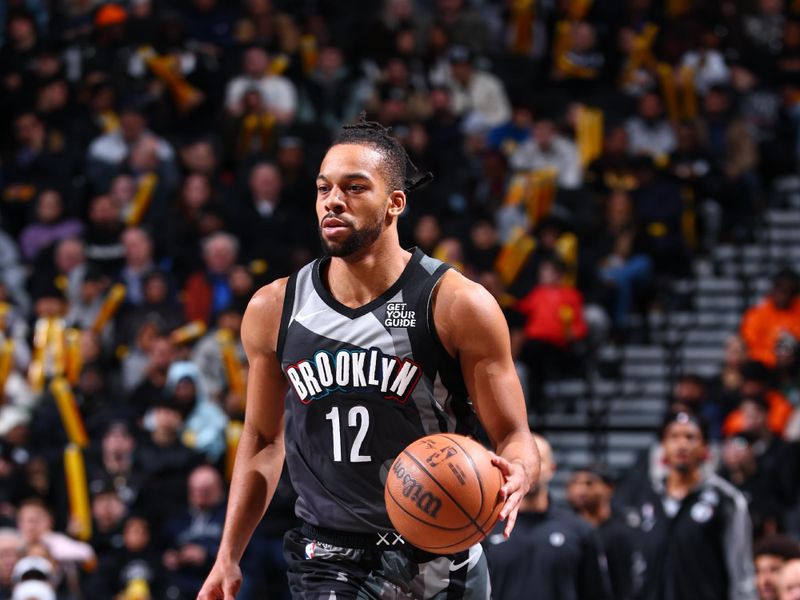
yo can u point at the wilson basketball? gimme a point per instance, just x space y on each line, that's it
441 493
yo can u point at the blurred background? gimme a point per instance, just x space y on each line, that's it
621 175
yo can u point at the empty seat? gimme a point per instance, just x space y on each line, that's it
719 285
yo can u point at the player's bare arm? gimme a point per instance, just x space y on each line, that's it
259 459
472 328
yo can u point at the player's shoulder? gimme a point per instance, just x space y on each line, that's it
716 489
269 296
262 319
458 292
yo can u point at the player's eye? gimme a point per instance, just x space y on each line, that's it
322 189
357 188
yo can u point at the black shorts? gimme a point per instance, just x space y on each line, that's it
328 565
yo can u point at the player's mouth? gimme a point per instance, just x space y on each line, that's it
333 226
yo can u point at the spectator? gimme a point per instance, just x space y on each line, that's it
70 263
507 136
589 493
554 329
109 151
166 460
789 581
264 221
463 24
189 222
551 550
659 210
622 264
474 90
613 169
547 149
136 559
208 292
332 93
160 355
12 272
22 40
84 310
753 460
277 93
204 427
582 63
694 529
706 62
763 31
757 382
724 388
35 523
775 317
193 535
731 143
769 555
38 159
207 353
50 226
158 307
103 246
138 262
11 545
649 132
116 468
108 514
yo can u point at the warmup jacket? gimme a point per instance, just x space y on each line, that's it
701 552
554 555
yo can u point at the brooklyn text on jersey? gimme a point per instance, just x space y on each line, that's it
353 370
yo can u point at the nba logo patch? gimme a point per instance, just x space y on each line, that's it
310 549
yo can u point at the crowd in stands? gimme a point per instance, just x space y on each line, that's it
157 165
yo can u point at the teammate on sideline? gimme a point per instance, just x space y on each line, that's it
351 359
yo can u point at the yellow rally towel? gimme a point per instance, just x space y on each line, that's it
77 491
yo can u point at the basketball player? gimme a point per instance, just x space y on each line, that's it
693 527
351 359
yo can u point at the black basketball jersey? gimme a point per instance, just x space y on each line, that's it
363 384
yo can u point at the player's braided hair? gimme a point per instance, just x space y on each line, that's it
401 173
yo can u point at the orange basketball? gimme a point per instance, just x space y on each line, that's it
442 493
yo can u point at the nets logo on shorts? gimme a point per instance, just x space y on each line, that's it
353 370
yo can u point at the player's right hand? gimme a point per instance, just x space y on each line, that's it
222 583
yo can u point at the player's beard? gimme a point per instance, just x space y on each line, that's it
357 240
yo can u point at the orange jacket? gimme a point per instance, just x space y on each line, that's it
763 324
554 314
780 410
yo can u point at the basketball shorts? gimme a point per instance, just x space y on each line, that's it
332 565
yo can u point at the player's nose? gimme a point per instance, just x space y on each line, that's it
334 200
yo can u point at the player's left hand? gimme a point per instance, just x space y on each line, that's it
513 490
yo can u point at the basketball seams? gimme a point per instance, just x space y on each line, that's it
421 520
493 512
455 502
473 465
477 526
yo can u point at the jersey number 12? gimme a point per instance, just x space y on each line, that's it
357 416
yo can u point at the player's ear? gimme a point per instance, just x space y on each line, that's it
397 203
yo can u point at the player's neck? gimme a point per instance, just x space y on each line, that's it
680 483
360 278
597 516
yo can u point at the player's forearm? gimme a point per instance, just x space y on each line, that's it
519 447
255 477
